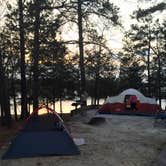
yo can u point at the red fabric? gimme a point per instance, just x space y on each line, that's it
49 110
112 107
133 98
120 107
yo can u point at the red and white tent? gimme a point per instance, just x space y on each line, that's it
117 104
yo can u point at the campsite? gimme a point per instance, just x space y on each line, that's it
82 82
121 140
126 137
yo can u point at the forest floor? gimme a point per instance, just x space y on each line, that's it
120 141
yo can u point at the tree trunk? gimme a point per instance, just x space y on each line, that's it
97 75
92 100
29 90
98 101
159 72
81 48
15 103
14 94
60 102
96 88
36 55
29 105
4 96
6 104
15 108
47 102
159 79
54 104
24 111
148 68
2 115
2 105
53 95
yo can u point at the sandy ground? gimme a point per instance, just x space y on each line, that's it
121 141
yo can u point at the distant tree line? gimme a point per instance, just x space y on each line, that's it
36 63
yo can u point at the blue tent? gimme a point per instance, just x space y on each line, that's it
42 136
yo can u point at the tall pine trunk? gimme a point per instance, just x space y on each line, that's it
96 88
15 103
159 71
81 47
14 95
97 75
36 55
159 79
2 113
4 96
1 101
148 61
24 111
148 68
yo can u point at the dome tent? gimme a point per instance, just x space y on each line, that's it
42 135
140 96
116 104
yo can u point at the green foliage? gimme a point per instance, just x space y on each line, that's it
144 12
131 71
146 38
53 65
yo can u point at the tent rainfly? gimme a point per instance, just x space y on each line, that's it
117 104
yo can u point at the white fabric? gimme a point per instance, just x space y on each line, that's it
79 141
121 96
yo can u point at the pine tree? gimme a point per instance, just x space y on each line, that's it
81 12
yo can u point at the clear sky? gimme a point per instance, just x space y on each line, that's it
126 9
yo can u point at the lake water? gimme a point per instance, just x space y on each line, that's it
67 106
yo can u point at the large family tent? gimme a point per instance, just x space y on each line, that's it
117 104
43 135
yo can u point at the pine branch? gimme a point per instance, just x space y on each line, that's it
144 12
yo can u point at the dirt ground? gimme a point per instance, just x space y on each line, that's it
120 141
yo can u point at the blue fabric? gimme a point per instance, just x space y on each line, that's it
31 144
42 123
161 115
42 136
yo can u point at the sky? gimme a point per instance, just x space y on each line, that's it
115 35
126 9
